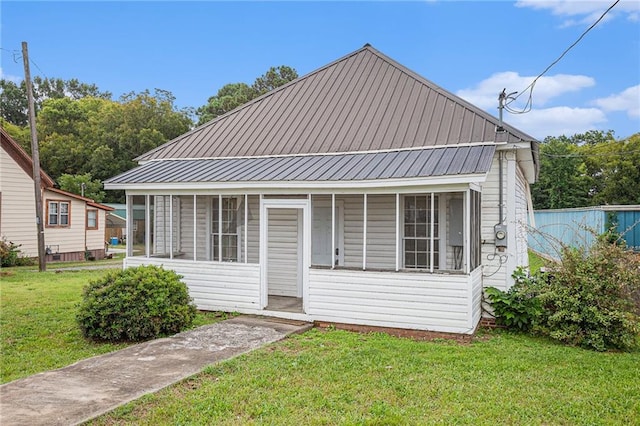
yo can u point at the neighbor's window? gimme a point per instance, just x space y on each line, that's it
418 240
92 219
228 232
58 213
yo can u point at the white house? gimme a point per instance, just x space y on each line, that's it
71 223
360 193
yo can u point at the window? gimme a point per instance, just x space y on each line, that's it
228 232
58 213
92 219
421 233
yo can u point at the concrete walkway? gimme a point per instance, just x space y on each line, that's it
94 386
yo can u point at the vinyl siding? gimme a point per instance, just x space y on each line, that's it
18 206
214 286
405 300
522 255
495 274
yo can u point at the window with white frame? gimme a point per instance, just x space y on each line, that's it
228 232
58 213
421 232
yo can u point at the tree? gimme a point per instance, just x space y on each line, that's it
74 183
563 181
274 78
13 97
232 95
591 168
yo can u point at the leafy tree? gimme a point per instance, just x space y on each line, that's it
232 95
274 78
73 184
13 97
591 168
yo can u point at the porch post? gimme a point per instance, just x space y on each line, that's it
364 234
195 231
129 230
219 227
170 226
147 225
397 232
333 230
431 232
467 230
246 221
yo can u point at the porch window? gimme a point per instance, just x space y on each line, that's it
228 232
57 213
421 231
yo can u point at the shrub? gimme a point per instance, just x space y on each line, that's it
518 307
135 304
589 301
10 255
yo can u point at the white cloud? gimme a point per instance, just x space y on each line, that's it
485 93
584 12
555 121
9 77
628 100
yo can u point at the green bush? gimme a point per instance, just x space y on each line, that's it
135 304
10 255
590 299
517 308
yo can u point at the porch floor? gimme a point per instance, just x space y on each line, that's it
284 304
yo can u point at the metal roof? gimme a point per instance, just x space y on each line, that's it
364 101
428 162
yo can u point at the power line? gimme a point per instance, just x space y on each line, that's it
529 103
609 154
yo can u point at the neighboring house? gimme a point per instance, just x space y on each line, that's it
579 227
116 223
71 222
360 193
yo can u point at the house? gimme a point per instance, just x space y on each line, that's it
71 223
116 223
360 193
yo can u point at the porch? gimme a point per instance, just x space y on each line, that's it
405 259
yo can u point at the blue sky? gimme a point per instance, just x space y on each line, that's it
473 49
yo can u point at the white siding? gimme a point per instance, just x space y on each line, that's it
495 273
283 256
353 213
522 255
406 300
214 286
476 296
381 231
18 217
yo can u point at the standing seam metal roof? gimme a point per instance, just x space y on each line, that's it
363 101
428 162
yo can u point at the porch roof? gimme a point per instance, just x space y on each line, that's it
398 164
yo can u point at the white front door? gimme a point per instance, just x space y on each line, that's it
284 249
321 235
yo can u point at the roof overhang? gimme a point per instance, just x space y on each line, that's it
527 157
429 166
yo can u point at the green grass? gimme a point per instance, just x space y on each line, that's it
337 377
535 262
38 331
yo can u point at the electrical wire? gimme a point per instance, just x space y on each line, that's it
609 154
529 104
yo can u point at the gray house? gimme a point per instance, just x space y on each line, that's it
360 193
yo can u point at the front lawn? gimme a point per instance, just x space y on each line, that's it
38 331
337 377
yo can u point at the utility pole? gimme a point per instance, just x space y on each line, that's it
35 155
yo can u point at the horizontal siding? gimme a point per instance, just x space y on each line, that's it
18 206
412 300
214 286
476 296
496 275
